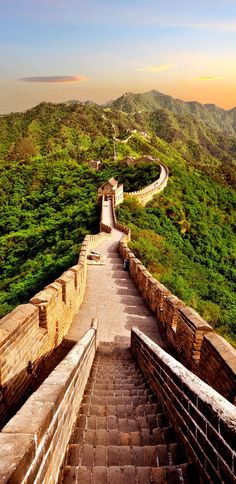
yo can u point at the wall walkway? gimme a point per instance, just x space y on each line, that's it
111 296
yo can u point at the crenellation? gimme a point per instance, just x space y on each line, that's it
147 193
187 333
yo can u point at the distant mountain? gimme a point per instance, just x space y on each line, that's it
213 116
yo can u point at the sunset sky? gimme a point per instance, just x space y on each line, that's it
56 50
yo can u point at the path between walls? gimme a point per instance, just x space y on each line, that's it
112 297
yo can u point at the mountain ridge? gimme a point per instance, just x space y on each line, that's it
211 114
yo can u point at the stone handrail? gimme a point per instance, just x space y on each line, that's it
204 420
34 441
127 232
147 193
192 339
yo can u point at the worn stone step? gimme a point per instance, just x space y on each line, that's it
134 400
105 362
153 422
117 375
104 454
109 377
127 474
116 386
120 393
121 411
115 368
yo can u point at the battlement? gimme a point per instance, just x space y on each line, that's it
147 193
192 339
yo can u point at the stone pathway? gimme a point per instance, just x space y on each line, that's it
112 297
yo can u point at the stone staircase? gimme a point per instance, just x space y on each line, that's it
122 434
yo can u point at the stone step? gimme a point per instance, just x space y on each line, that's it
121 411
111 422
103 367
115 455
134 400
115 386
116 380
127 433
115 373
119 393
127 474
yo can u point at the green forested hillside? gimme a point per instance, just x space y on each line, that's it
213 116
48 197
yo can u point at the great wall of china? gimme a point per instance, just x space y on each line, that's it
173 422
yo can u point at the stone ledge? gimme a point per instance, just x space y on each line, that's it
194 320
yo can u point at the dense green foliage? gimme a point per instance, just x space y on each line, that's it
48 195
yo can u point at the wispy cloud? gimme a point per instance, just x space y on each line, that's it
217 26
207 78
54 79
156 68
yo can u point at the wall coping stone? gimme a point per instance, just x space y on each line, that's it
175 301
194 319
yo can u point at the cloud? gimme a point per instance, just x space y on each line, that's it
217 26
156 68
54 79
207 78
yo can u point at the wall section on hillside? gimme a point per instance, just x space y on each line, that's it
191 339
147 193
30 333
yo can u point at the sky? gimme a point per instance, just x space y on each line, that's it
58 50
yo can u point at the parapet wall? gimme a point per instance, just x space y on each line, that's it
204 420
104 227
32 331
33 443
147 193
191 338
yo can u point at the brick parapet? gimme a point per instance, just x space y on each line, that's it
204 420
217 357
147 193
34 441
187 333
